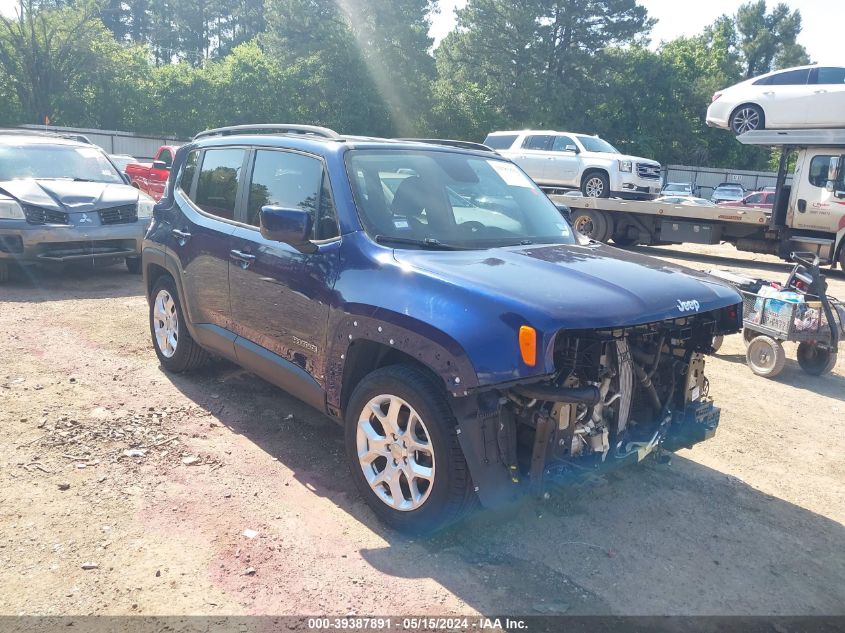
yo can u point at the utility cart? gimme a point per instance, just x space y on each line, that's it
800 311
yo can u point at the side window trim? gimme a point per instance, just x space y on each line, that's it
242 197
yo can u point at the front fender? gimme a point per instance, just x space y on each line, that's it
430 346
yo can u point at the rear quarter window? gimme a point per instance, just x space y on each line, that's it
500 141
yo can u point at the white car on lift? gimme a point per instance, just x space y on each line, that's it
806 96
565 160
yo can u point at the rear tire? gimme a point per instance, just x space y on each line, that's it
765 356
591 223
377 449
717 342
814 360
175 348
747 118
596 184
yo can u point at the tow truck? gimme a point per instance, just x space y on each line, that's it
807 216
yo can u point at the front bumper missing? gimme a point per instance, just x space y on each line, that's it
496 486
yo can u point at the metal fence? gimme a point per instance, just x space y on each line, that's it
116 142
705 179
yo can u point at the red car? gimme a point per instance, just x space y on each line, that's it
151 178
756 199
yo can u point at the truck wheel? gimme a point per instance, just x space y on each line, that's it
747 118
626 234
765 356
403 450
596 184
591 223
814 360
175 348
133 265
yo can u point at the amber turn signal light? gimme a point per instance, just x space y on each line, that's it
528 345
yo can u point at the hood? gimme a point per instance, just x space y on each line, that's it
574 287
69 196
633 159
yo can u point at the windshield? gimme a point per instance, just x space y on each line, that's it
432 198
676 188
595 144
52 162
730 189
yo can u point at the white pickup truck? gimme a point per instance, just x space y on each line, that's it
808 216
565 160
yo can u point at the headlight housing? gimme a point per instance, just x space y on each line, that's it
145 206
11 210
625 166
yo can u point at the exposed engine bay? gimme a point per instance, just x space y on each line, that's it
616 396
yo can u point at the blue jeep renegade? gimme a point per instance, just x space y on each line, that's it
432 300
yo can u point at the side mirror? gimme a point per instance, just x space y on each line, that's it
289 226
160 164
745 201
571 148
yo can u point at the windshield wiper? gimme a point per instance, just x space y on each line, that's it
428 242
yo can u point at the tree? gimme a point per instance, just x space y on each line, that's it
44 50
535 58
769 40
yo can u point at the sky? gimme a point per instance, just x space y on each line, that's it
821 19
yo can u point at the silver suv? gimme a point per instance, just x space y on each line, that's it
565 160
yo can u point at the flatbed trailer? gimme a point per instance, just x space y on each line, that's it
808 216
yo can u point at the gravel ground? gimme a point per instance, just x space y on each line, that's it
127 491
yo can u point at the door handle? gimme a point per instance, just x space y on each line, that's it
244 259
181 236
821 91
769 92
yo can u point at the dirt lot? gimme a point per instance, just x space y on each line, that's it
748 523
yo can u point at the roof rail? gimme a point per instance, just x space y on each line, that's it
71 136
272 128
481 147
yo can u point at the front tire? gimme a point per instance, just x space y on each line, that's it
747 118
403 450
596 184
175 348
765 356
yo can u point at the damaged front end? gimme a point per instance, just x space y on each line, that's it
616 396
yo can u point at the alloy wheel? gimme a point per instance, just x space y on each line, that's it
395 452
746 119
165 323
594 187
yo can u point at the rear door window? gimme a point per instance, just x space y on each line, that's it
538 141
217 187
186 181
790 78
292 181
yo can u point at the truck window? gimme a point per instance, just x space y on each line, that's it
819 166
538 141
500 141
188 171
756 198
217 187
292 181
166 157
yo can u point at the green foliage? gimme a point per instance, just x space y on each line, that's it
366 67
